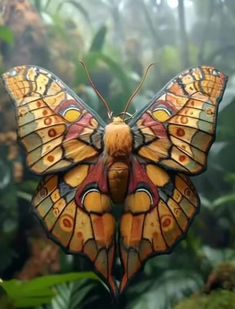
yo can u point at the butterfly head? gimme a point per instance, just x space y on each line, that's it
117 121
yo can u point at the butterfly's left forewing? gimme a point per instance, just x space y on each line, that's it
56 127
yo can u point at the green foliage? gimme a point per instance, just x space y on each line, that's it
40 291
161 293
216 300
72 296
98 40
6 35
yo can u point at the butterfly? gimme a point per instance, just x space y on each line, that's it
142 163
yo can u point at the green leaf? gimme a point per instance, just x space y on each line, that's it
98 40
7 35
230 177
217 256
39 291
28 186
25 196
206 202
221 201
5 173
71 296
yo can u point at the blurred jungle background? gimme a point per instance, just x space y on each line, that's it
117 39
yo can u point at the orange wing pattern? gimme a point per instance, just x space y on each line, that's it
159 208
178 127
75 210
55 126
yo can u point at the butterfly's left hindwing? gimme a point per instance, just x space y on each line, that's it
75 209
56 127
177 128
159 208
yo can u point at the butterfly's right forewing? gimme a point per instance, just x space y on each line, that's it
177 129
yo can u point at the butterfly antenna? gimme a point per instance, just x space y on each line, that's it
110 113
137 89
